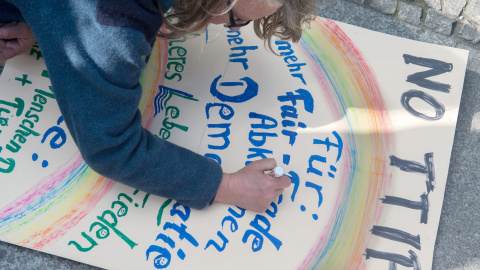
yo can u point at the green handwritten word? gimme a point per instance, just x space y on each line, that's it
19 106
172 112
25 129
160 211
36 50
107 223
175 64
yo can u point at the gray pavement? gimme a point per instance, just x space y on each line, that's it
458 240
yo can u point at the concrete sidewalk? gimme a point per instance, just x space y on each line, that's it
458 240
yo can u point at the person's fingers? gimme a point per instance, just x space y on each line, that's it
263 164
5 55
282 182
15 30
25 43
10 48
16 46
6 51
250 188
278 192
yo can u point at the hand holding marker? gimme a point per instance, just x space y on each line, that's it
252 187
277 172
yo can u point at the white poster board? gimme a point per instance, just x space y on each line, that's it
362 122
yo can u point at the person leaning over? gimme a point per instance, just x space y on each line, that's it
95 51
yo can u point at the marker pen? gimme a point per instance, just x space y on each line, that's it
277 172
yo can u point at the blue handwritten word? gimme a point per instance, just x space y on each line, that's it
225 111
261 228
251 90
295 179
238 52
233 228
289 112
258 136
286 50
59 138
163 259
338 145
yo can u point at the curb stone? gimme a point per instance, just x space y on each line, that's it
457 19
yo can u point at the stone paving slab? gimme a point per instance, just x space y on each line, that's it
458 240
460 18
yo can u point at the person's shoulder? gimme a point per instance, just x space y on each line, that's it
141 15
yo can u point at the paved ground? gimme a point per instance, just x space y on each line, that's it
458 240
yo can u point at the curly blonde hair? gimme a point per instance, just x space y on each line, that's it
192 16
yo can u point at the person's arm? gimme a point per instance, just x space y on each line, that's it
94 67
95 61
15 39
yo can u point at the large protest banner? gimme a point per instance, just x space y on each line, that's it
362 122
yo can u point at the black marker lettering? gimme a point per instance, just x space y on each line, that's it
412 166
397 235
422 205
395 258
420 78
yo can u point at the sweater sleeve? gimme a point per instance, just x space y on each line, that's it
95 67
9 12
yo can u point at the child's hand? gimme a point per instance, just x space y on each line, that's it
15 39
250 188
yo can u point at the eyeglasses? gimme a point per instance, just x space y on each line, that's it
235 22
